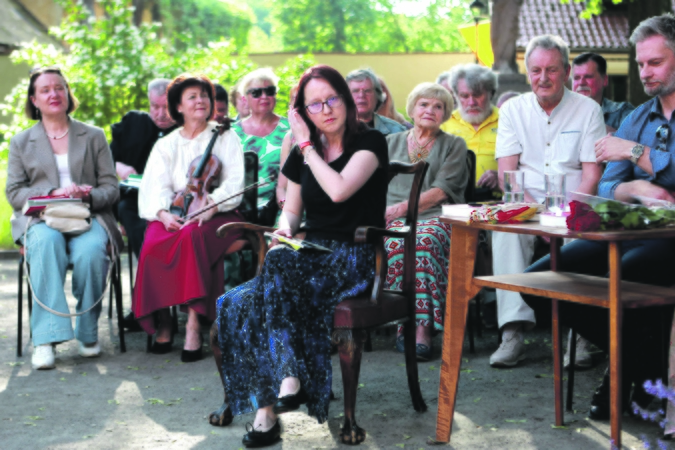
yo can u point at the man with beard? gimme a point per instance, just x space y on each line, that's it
548 130
475 121
589 78
640 163
132 141
369 96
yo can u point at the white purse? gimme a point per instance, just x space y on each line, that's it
68 218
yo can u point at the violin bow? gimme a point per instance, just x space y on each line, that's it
269 180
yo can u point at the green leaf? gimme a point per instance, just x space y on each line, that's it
113 402
400 445
476 400
132 368
361 385
558 427
155 401
406 437
15 363
196 388
432 367
515 420
30 423
467 370
34 418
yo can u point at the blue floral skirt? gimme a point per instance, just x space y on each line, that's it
279 324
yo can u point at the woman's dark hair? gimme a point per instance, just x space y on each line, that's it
176 88
352 125
31 111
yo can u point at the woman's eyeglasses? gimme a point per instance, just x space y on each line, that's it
269 91
662 134
317 107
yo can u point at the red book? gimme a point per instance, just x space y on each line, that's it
35 205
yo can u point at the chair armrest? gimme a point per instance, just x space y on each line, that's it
364 235
242 226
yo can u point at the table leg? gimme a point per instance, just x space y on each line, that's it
615 319
557 341
460 291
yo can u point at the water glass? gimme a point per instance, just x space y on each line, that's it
555 200
513 187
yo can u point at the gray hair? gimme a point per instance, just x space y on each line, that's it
663 25
443 76
430 90
368 74
158 86
549 42
479 79
263 74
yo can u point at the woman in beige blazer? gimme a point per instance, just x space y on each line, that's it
61 156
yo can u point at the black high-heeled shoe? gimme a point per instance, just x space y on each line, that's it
221 417
600 404
253 438
162 348
291 402
188 356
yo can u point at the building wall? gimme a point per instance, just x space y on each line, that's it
45 11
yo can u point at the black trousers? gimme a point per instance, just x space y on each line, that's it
645 331
127 210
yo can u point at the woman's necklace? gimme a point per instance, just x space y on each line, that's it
56 138
417 151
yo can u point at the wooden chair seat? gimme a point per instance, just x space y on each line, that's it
360 312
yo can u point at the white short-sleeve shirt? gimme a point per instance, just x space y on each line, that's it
558 143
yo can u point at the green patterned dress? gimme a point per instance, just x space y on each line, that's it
268 149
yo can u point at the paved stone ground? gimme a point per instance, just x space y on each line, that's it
139 400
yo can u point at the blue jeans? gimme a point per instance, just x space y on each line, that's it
48 254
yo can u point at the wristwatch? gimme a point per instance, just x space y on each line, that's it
636 152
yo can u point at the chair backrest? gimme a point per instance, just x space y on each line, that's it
470 190
419 171
249 204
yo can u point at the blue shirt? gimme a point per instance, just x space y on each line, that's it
640 126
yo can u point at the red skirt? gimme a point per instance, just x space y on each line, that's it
181 268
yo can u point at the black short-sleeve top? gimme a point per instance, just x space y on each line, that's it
339 221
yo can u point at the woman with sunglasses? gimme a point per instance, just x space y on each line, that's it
274 332
62 156
263 132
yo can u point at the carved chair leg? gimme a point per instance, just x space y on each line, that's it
411 369
223 415
350 347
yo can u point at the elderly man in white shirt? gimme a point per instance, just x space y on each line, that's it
550 130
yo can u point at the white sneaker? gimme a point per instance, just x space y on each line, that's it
583 358
43 357
89 352
512 349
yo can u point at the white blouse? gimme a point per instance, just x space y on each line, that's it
166 170
64 170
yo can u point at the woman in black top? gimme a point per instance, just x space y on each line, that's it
274 331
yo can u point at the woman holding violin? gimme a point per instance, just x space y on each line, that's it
181 262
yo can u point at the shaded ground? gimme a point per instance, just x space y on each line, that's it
140 400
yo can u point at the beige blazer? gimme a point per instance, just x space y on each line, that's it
32 171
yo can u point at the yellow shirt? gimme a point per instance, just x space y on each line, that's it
482 141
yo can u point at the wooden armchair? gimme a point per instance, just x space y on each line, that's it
354 316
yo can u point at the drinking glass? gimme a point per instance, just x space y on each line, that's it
555 200
513 187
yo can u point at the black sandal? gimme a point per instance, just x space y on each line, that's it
221 417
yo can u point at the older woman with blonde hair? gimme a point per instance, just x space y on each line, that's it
429 105
263 132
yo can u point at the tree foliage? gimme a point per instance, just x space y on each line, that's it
368 26
110 61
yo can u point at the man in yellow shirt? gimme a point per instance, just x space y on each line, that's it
475 120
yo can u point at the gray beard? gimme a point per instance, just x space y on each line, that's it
475 119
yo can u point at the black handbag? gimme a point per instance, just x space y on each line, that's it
267 214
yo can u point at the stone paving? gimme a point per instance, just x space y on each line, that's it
139 400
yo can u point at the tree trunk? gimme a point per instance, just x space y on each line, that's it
340 39
637 12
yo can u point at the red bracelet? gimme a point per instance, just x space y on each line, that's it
305 144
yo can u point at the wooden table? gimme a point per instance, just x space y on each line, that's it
611 293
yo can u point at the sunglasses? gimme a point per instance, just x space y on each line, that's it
269 91
317 107
662 134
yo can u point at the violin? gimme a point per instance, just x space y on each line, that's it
202 178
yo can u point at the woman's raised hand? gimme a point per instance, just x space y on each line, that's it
299 128
203 217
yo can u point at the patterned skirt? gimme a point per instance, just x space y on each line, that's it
279 324
431 268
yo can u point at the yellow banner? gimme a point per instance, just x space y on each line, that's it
478 39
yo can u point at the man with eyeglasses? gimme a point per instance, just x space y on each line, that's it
589 78
640 161
369 96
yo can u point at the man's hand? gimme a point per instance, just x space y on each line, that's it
169 220
489 179
626 192
610 148
394 212
123 171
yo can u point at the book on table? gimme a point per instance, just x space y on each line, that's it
35 205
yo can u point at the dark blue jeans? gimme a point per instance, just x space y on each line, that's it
646 331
